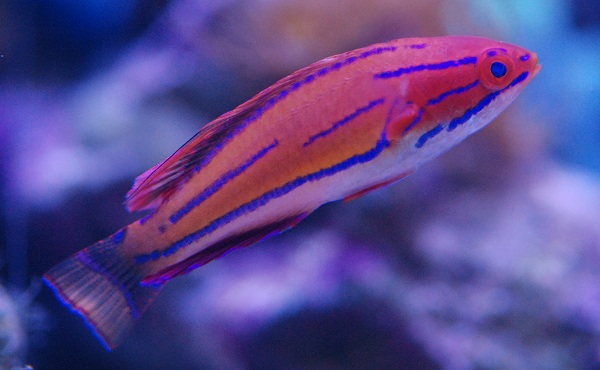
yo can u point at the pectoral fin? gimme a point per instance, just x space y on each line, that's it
376 186
401 119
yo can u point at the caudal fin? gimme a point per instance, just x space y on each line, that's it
103 287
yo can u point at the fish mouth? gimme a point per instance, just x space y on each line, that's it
538 67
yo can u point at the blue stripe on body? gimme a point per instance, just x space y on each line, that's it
470 112
229 127
344 121
458 90
270 104
416 46
484 103
119 236
415 121
284 93
264 199
146 218
426 67
439 99
219 183
315 176
428 135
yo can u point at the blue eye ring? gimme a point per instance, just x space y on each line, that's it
498 69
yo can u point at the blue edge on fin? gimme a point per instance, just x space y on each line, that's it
67 303
103 287
99 271
221 248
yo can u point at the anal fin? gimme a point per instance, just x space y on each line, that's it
222 247
382 184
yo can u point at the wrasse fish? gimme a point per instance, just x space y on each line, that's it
336 129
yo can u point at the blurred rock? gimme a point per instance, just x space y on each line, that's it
320 304
513 275
13 342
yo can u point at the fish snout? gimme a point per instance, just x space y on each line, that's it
537 67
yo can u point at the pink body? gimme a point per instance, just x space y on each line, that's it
336 129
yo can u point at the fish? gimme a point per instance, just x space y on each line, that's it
335 130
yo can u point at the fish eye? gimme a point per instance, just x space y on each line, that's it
495 68
498 69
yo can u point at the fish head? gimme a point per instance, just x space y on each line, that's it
498 76
466 83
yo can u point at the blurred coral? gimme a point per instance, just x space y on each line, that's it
273 38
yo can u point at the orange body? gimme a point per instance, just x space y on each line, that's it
336 129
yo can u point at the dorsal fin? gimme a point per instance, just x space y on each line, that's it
156 185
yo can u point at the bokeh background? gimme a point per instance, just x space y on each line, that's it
487 258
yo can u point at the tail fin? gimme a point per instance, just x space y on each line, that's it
103 287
